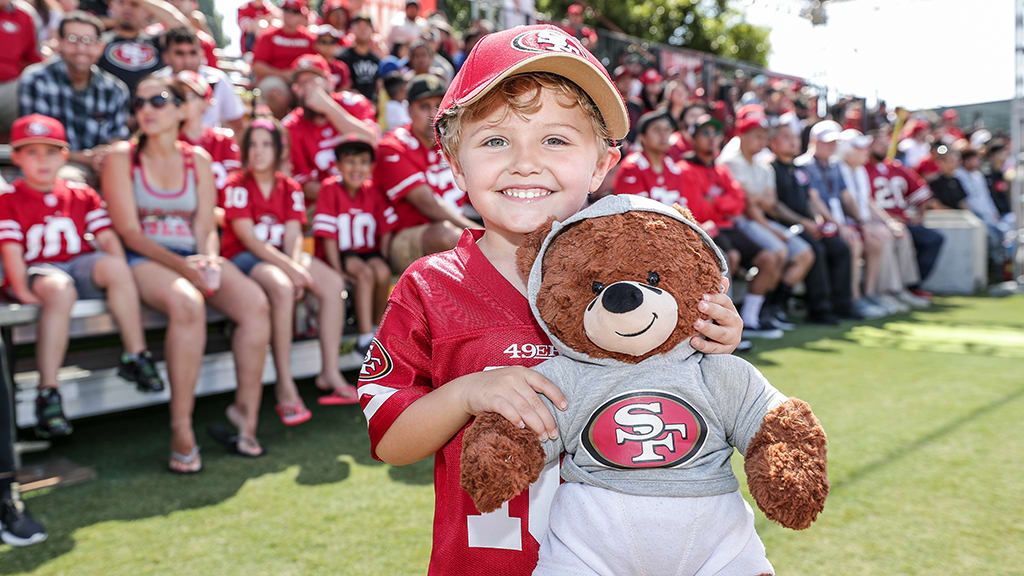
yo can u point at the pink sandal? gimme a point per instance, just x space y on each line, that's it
293 415
337 398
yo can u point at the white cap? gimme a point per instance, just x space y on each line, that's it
855 138
826 131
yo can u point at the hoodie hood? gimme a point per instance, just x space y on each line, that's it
613 204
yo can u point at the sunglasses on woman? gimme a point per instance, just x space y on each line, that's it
157 102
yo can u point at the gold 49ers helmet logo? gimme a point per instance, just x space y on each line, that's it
645 429
377 363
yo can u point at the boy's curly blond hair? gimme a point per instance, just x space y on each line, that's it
521 96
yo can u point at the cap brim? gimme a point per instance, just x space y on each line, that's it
594 82
40 140
829 137
862 141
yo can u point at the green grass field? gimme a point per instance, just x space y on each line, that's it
924 413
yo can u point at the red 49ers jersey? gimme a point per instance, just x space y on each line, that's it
51 227
223 150
243 199
403 163
355 222
313 144
637 176
895 187
453 314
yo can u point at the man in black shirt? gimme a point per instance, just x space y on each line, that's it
828 282
361 60
129 54
946 187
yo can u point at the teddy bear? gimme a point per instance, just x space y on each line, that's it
651 423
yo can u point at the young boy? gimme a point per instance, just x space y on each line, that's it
525 126
354 220
49 262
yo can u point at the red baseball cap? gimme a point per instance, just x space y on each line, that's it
38 129
651 76
196 83
575 9
299 5
950 114
536 48
311 63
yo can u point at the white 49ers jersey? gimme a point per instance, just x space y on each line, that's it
51 226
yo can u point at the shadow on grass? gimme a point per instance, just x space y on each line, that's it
129 452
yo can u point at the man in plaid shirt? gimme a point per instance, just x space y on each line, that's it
92 104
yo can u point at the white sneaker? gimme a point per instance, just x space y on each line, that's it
892 305
913 301
762 332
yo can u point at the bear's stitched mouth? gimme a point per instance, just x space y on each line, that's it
653 320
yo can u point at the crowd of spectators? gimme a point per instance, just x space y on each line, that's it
323 170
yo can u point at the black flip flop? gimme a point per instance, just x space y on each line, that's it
230 439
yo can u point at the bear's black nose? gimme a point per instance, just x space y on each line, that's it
622 297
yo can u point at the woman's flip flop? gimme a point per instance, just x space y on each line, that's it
336 398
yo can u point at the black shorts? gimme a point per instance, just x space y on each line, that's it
733 239
364 256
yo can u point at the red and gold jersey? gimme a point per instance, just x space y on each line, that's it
51 226
403 163
356 222
453 314
895 187
242 198
637 176
313 142
223 150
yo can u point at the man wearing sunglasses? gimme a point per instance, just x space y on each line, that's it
131 54
91 104
18 37
275 51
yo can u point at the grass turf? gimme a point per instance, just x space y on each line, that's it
926 437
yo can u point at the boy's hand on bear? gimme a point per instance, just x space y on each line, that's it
722 329
512 392
499 461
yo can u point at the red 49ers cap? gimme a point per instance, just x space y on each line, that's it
311 63
297 5
536 48
38 129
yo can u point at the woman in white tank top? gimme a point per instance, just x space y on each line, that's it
160 195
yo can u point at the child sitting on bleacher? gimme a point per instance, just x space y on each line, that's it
49 261
264 213
353 220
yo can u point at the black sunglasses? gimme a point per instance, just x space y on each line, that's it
158 101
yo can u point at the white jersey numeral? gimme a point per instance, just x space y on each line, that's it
269 233
236 197
45 239
324 159
356 231
664 195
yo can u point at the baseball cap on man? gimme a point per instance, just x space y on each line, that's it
37 129
646 120
707 120
825 131
536 48
855 138
311 63
195 83
425 86
651 76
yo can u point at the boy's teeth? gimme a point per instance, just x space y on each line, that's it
526 194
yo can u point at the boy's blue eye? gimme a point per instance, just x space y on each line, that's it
555 140
494 142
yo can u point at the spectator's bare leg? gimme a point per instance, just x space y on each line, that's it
382 283
768 271
797 268
281 292
115 277
440 236
363 276
242 300
874 245
328 286
57 295
163 289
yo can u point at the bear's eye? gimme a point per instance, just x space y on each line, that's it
653 278
597 287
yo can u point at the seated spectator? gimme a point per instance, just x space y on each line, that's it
681 141
130 53
327 46
219 143
275 51
575 27
677 100
750 168
649 172
320 121
89 102
916 146
190 9
407 27
49 261
253 17
826 184
18 36
946 187
264 212
653 86
624 79
828 281
950 130
996 153
905 196
716 201
361 60
353 220
181 51
418 181
1001 229
889 274
397 109
336 14
422 60
161 196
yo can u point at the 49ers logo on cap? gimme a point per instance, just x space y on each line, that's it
37 129
132 55
377 363
644 429
547 41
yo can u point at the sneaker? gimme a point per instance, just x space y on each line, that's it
863 309
141 369
745 346
913 301
763 332
780 321
922 294
17 526
891 304
823 319
50 420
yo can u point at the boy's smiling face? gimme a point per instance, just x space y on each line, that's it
519 171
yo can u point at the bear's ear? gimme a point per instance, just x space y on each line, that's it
686 213
530 247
